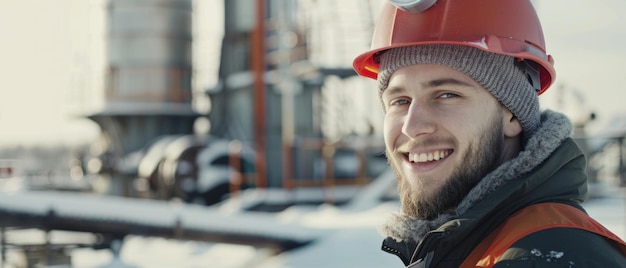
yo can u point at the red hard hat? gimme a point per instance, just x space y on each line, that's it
508 27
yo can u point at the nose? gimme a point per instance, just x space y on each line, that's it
419 120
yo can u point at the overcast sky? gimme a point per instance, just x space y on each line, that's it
39 63
586 39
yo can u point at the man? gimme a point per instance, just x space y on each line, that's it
485 179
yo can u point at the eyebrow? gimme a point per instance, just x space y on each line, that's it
390 90
447 81
429 84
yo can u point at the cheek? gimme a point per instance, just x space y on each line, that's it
392 128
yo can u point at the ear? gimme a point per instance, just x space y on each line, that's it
510 124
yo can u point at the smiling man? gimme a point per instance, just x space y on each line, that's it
437 119
485 178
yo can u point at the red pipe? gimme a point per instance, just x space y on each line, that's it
257 62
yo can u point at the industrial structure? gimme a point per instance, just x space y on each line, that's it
282 117
278 94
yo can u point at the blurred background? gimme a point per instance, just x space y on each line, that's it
202 102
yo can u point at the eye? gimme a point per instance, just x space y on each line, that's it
399 102
448 95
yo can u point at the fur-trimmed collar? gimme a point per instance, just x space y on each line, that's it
554 129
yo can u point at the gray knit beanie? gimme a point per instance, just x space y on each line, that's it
497 73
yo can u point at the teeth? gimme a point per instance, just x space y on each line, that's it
427 157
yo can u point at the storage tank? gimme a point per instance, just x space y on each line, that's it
149 68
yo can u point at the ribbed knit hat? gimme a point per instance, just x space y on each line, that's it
499 74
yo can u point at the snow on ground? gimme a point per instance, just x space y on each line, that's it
347 237
351 240
610 211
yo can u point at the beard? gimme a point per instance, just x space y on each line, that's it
486 153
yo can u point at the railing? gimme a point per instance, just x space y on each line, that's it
317 149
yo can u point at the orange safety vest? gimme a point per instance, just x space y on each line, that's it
533 219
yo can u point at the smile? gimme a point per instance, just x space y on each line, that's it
428 157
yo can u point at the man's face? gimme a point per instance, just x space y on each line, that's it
443 132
